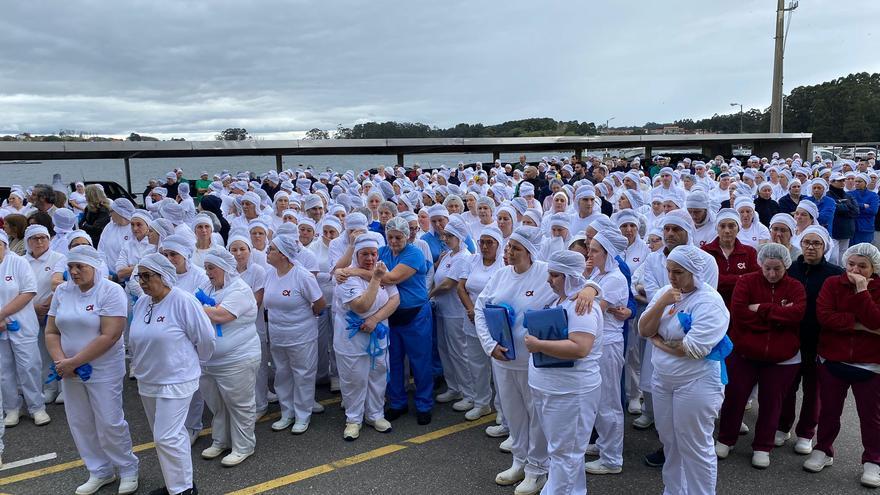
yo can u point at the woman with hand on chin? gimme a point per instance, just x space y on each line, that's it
84 326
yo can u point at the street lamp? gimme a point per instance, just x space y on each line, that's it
740 115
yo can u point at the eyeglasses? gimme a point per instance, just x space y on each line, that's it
146 276
812 244
149 316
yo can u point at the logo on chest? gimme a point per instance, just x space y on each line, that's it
47 269
530 293
160 319
285 293
9 278
741 266
90 307
636 260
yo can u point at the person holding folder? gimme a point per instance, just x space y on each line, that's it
566 398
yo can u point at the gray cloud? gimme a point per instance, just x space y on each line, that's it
191 68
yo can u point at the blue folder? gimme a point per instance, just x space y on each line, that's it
498 322
548 324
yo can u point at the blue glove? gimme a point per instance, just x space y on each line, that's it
373 349
209 301
84 372
13 326
721 350
65 276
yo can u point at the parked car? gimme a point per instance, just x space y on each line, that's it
862 152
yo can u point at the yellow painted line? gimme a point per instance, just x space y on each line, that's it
37 473
359 458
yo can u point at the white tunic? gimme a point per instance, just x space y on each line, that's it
43 267
113 237
17 278
753 235
346 292
289 300
239 342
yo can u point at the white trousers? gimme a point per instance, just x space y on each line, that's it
229 393
685 414
264 373
566 421
609 417
194 413
295 368
633 362
529 447
450 334
362 386
166 418
46 362
20 366
479 371
97 424
2 424
326 356
842 246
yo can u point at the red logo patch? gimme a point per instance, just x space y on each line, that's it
285 293
90 307
530 293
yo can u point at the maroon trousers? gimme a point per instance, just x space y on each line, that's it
809 417
773 380
832 395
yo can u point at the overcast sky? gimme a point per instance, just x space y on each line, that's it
186 68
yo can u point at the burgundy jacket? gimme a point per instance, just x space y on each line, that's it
838 309
743 259
772 333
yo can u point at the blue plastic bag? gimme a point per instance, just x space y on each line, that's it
721 350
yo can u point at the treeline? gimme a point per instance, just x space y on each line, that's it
535 127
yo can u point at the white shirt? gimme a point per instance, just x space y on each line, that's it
325 280
113 237
448 304
17 278
169 349
346 292
635 254
43 267
193 280
239 342
132 252
753 235
78 318
616 293
584 376
289 300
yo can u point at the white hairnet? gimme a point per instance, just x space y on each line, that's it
691 259
494 232
365 241
86 255
681 219
774 251
572 265
179 244
530 238
160 264
866 250
821 232
457 227
398 224
727 214
35 230
613 243
784 219
287 245
223 260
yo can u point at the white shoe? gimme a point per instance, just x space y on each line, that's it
60 400
721 450
477 413
300 427
803 446
334 384
592 450
760 460
282 424
352 432
260 413
93 485
749 405
381 425
598 467
634 406
272 398
128 485
463 405
12 418
234 459
510 475
49 396
870 475
506 446
193 436
41 418
643 422
499 419
318 408
448 396
743 429
496 431
780 438
213 452
817 461
530 485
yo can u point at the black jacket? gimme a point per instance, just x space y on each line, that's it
94 221
788 205
766 208
812 276
844 226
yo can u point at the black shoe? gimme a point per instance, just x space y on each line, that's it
392 413
422 418
656 459
191 491
439 382
159 491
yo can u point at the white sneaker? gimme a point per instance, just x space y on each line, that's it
506 446
463 405
497 431
592 450
599 467
760 460
381 425
234 459
49 396
643 422
128 485
352 432
780 438
282 424
41 418
530 485
317 408
870 475
93 485
749 405
634 406
477 413
817 461
499 419
60 400
510 475
448 396
272 398
721 450
12 418
213 452
300 427
743 429
334 384
803 446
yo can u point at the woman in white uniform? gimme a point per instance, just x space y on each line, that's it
19 352
361 354
293 299
136 247
753 232
686 388
85 323
566 399
450 317
330 229
116 233
228 378
170 337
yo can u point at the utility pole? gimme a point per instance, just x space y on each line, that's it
781 34
740 115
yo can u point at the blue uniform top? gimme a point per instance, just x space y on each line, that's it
413 291
438 246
